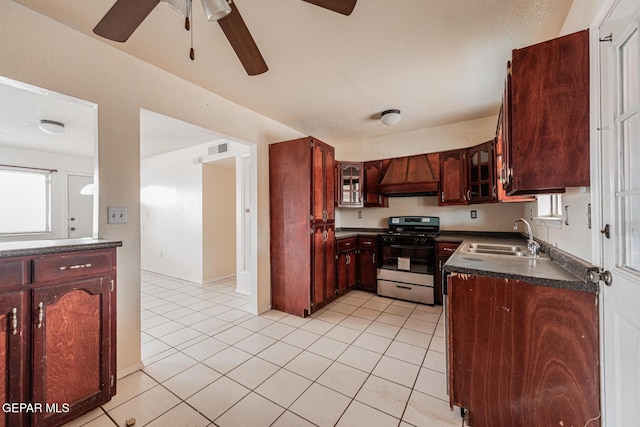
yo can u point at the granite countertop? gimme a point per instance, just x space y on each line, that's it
42 247
557 269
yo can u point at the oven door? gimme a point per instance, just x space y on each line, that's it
419 259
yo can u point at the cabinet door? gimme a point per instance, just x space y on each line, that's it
13 336
72 337
453 187
342 271
373 173
350 184
550 115
367 269
443 251
322 184
323 274
481 179
522 354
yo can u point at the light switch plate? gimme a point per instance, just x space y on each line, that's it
116 215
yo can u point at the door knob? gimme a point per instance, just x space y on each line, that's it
72 229
72 219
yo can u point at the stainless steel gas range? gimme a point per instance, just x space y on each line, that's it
407 258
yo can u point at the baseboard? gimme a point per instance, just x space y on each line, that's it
130 370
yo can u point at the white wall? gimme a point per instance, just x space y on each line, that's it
171 214
219 221
65 165
45 53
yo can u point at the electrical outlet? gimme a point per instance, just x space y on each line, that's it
474 214
359 214
116 215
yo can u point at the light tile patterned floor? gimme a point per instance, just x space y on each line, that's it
363 360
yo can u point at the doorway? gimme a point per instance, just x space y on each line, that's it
80 205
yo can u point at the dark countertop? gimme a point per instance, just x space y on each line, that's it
343 233
42 247
557 268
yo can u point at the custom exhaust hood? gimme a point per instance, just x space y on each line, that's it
412 176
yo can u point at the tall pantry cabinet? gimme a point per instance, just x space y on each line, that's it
302 210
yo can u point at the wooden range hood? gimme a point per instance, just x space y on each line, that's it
412 176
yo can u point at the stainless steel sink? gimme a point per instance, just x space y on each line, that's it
498 249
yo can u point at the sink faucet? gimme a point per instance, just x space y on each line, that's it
532 246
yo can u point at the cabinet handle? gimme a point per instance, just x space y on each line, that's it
442 196
440 265
74 267
14 321
366 242
374 259
40 314
348 260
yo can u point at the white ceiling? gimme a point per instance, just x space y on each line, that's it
439 61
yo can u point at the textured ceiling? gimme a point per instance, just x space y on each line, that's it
330 75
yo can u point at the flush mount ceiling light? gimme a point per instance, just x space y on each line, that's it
51 126
216 9
390 117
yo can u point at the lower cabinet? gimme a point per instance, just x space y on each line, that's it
356 264
367 267
58 339
324 274
346 264
522 354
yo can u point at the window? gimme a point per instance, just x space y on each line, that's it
549 206
25 198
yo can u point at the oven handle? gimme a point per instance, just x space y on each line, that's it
404 287
410 246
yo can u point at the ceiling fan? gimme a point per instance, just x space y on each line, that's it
125 16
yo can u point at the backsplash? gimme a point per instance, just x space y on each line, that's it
491 217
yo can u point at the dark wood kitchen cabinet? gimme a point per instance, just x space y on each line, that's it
367 263
346 264
350 184
480 174
373 173
522 354
63 313
443 251
546 108
302 208
453 178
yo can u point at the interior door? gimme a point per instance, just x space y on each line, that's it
620 199
80 206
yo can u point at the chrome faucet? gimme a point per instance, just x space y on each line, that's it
532 246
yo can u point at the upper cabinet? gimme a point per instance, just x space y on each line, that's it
546 116
373 173
322 185
453 182
350 184
480 173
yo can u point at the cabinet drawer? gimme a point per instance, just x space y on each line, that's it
346 244
446 249
72 264
14 272
367 242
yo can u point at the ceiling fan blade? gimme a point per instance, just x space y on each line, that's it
344 7
242 43
123 18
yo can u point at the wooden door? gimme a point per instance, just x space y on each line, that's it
342 271
453 187
550 115
323 182
324 272
373 173
71 347
521 354
367 268
13 336
330 266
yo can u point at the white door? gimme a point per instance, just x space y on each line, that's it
80 194
620 198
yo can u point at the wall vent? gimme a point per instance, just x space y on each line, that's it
220 148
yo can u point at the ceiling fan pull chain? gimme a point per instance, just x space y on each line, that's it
192 53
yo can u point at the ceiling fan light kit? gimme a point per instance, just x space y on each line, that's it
390 117
125 16
216 9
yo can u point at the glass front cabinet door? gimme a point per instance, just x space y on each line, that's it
350 178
